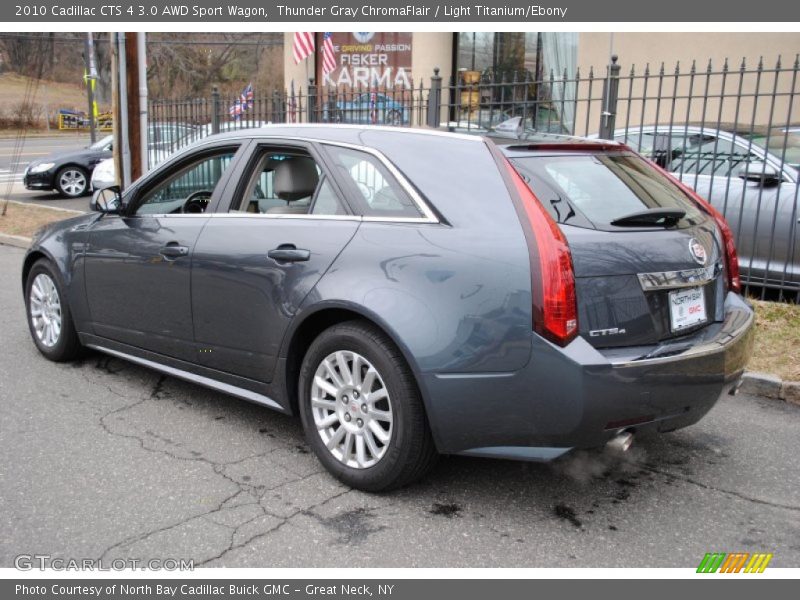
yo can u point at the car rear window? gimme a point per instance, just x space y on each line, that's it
592 190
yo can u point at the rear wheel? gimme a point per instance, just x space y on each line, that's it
49 319
72 182
361 410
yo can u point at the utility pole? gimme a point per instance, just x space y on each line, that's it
91 77
135 133
141 50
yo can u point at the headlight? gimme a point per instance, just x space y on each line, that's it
41 167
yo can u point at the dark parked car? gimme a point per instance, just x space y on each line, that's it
515 301
68 173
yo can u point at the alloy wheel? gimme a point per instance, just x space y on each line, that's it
352 409
72 182
45 310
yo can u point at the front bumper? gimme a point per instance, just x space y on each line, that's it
38 181
579 396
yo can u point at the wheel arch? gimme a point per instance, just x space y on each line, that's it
313 322
30 260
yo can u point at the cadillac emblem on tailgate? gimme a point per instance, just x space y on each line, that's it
698 252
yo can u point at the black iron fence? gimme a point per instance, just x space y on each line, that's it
731 131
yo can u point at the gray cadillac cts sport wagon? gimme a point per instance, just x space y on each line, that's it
408 292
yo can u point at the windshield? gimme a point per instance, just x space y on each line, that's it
775 145
592 190
101 144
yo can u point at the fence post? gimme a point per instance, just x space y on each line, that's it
215 103
434 99
608 116
312 100
278 108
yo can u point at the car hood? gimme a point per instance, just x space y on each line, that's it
64 156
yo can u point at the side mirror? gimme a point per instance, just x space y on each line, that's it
106 200
760 172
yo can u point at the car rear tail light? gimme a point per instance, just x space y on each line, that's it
731 257
555 310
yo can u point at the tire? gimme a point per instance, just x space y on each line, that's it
52 329
72 181
404 451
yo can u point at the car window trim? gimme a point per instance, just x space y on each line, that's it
429 216
179 162
240 179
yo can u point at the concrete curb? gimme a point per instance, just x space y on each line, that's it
21 241
18 241
770 386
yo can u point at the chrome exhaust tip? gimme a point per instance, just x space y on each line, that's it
620 442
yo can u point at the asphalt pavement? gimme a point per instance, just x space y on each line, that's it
105 459
13 160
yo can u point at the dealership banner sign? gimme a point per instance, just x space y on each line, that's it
361 11
370 59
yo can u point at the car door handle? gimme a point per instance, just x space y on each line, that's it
174 250
289 253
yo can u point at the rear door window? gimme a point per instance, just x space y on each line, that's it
377 191
592 190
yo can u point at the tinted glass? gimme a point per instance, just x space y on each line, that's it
379 193
196 181
777 142
597 189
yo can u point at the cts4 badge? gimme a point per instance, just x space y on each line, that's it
698 252
604 332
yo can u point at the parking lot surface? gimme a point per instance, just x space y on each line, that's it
105 459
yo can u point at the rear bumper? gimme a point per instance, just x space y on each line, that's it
579 396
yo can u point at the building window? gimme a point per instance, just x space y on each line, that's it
513 73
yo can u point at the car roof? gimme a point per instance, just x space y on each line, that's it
342 133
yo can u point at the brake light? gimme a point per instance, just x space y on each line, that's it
555 310
731 257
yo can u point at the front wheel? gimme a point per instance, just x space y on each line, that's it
72 182
361 410
49 319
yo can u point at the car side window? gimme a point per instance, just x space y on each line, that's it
699 153
188 189
710 155
289 182
379 192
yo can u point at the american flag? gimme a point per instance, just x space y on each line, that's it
235 110
242 103
328 53
302 45
247 97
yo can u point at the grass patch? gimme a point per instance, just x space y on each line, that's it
25 219
777 345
